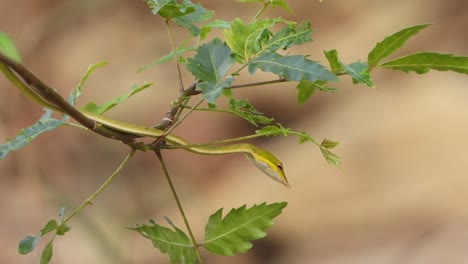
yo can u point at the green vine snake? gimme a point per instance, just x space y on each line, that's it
261 158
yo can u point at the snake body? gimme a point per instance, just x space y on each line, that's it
259 157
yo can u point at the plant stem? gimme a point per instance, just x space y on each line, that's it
170 129
265 5
176 58
103 186
44 95
257 83
157 151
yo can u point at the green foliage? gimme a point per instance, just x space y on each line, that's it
245 40
231 235
422 62
26 135
305 89
185 14
359 72
391 43
168 8
28 243
335 64
250 40
209 65
274 3
247 111
224 236
173 242
79 88
291 67
100 109
179 51
47 253
331 158
325 146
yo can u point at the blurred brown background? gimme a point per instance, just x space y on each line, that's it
400 198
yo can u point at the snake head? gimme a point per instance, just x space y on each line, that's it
269 164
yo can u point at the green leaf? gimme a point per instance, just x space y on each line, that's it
247 40
288 36
328 144
212 91
304 137
273 130
305 89
8 48
199 14
50 226
25 136
47 252
79 88
232 234
100 109
166 57
331 158
184 14
282 4
359 72
62 229
325 147
291 67
332 57
218 23
168 8
424 61
173 242
211 62
391 43
274 3
156 5
28 244
247 111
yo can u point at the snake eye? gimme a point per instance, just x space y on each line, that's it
279 166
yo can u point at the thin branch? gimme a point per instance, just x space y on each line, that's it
265 5
175 107
157 151
257 83
46 96
102 187
156 143
176 57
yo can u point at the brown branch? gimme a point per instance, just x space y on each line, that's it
280 80
55 99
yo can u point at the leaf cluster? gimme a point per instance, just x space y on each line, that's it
227 236
28 243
